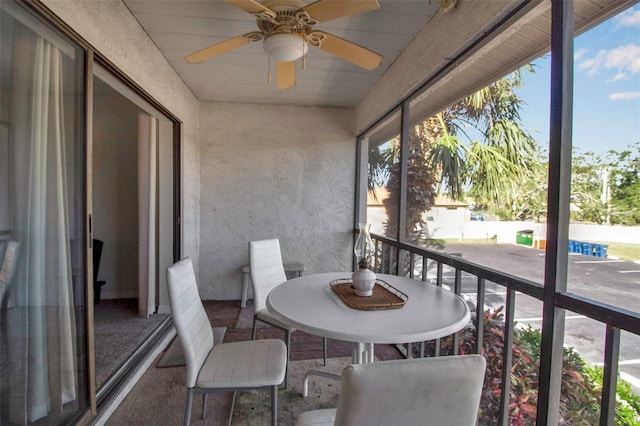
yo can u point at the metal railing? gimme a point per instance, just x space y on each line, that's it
393 257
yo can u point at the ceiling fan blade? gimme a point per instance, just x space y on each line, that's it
217 49
285 74
252 7
326 10
348 51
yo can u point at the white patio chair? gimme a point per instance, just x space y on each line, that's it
442 391
9 260
267 272
226 366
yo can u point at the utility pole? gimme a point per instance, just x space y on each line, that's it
605 196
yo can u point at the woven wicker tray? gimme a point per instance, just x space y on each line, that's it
384 296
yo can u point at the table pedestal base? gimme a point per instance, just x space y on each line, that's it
362 353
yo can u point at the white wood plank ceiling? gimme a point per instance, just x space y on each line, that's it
181 27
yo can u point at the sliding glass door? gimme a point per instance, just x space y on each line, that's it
43 345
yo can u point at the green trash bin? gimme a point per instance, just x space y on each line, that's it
525 237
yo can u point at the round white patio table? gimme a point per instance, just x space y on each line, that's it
309 304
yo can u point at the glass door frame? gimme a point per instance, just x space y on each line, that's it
92 56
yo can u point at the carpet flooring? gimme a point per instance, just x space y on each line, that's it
118 333
159 396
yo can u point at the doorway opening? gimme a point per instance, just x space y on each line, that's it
132 180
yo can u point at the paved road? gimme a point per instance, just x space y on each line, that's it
606 280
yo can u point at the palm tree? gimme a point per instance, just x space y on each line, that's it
476 145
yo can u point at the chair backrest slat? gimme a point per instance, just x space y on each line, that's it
267 270
189 316
9 264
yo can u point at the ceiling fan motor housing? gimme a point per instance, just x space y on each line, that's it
285 47
285 34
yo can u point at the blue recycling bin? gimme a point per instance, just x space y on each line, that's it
572 246
577 247
587 249
602 250
597 250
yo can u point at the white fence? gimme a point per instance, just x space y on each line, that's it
506 231
452 226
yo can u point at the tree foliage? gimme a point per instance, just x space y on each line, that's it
421 179
530 200
475 145
605 188
483 142
587 203
624 179
478 149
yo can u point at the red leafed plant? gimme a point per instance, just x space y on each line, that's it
579 395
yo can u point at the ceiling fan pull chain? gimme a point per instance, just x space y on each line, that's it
304 55
269 70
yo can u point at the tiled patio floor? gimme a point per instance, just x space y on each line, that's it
159 396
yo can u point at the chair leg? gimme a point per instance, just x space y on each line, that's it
187 410
274 405
324 350
253 329
204 405
287 338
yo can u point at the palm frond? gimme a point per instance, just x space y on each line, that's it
448 155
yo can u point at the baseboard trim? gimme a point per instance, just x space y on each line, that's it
164 309
127 294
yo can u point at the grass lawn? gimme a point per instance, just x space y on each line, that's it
464 241
624 251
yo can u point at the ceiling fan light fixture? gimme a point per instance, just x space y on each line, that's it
285 47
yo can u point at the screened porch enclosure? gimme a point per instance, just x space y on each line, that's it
256 170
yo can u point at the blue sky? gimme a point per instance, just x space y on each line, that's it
606 112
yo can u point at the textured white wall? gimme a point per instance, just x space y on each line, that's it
111 29
274 171
267 170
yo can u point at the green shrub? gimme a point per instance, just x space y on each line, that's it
627 403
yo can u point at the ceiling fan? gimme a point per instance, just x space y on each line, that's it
286 28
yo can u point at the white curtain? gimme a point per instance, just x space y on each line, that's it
147 213
40 316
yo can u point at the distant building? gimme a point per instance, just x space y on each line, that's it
446 212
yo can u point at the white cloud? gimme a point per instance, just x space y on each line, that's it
578 54
624 60
594 64
624 96
629 18
619 76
